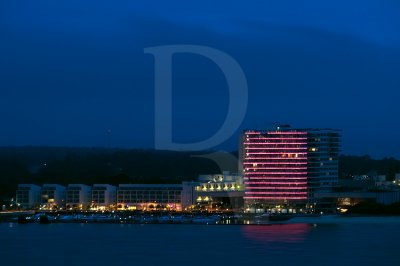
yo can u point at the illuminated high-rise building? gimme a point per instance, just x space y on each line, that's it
284 167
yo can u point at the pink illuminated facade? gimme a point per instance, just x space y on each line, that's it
284 167
275 166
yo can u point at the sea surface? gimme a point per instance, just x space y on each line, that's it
366 242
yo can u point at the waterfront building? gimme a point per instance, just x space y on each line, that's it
283 168
347 199
380 181
53 197
150 197
28 196
350 192
397 179
188 195
220 191
103 197
78 196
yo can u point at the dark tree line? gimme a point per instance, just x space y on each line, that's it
89 166
40 165
355 165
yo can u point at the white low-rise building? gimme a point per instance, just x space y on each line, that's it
103 197
189 194
220 182
53 197
397 179
150 197
224 190
78 197
28 196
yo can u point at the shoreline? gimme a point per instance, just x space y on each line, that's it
181 219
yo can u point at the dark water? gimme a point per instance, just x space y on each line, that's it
131 244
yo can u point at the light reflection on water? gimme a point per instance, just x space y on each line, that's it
285 233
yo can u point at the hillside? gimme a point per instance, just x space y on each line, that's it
40 165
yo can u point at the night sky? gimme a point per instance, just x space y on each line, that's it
72 70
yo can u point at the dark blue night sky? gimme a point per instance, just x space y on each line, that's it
72 70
